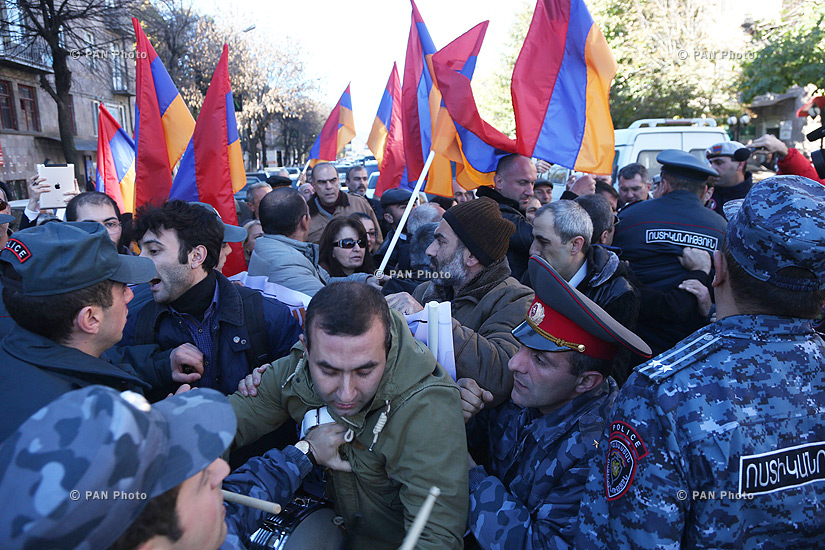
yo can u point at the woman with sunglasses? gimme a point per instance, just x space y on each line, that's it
344 249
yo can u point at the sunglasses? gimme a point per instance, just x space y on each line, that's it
3 204
349 243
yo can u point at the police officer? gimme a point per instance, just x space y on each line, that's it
540 444
97 468
729 159
653 233
65 288
719 442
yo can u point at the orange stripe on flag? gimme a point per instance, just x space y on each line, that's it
597 150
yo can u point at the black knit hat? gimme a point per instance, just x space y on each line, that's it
479 225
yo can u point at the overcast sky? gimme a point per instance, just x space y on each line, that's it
358 40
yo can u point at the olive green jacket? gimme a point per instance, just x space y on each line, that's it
422 444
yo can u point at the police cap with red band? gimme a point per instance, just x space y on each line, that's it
563 319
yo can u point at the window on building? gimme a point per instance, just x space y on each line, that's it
7 118
118 71
28 108
118 112
91 55
14 17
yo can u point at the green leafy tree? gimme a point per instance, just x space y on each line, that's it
786 53
677 58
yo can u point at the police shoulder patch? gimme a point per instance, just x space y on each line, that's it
686 353
624 450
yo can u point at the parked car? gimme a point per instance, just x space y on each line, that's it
372 181
644 139
251 177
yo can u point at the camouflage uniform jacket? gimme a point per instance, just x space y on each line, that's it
274 477
538 469
735 409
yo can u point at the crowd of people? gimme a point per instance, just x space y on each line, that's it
636 366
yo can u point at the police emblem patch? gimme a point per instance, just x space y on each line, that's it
536 313
620 468
624 449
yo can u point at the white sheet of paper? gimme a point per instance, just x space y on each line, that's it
418 326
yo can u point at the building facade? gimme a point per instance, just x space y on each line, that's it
103 71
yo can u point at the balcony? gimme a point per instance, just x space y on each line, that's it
35 56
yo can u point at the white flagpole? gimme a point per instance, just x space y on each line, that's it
406 215
304 171
420 520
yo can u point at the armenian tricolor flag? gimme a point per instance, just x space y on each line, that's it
212 169
416 95
115 162
461 135
338 130
560 88
386 139
163 123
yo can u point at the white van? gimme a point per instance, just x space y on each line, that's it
646 138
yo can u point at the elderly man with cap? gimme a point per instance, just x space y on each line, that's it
329 202
539 446
64 286
102 469
543 191
236 329
470 270
718 443
728 159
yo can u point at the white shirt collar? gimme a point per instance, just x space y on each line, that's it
579 276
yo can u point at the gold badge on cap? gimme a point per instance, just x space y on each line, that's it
536 314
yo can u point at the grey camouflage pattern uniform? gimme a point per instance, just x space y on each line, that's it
99 440
275 477
720 441
538 468
743 386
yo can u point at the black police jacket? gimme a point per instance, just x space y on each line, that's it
653 233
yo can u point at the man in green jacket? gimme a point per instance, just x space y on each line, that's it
397 406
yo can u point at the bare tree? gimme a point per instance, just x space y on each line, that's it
54 28
171 26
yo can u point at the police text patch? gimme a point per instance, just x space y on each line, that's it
18 249
681 238
624 449
782 469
